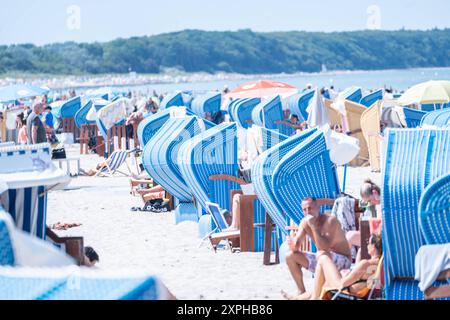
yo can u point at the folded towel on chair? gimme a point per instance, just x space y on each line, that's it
430 261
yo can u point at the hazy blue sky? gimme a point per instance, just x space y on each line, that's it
46 21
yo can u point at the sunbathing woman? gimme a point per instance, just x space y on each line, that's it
370 194
327 276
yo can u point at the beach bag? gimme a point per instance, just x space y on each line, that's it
59 153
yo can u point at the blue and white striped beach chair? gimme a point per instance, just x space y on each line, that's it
207 103
413 117
371 98
268 112
434 211
26 197
113 164
151 125
172 100
262 175
413 159
440 118
242 111
305 171
161 163
210 153
298 103
352 93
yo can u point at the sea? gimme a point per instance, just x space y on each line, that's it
397 80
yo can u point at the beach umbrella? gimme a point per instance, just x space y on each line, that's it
431 92
21 91
262 89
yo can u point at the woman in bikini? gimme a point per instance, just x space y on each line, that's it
329 278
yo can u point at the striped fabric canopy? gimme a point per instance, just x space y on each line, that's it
298 103
160 159
207 103
414 159
172 100
242 111
371 98
440 118
209 153
305 171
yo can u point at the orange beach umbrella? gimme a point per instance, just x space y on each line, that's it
262 89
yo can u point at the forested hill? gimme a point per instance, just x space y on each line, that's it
242 51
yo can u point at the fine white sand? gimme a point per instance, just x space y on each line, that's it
152 242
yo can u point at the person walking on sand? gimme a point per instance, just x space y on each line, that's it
35 128
327 234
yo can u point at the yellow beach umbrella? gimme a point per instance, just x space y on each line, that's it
431 92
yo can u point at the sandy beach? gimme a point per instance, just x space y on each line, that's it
152 242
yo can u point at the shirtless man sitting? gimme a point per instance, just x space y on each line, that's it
327 234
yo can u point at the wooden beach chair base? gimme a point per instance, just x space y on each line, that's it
268 228
441 291
74 246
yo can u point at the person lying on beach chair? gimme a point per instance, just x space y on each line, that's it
109 166
327 234
154 200
330 282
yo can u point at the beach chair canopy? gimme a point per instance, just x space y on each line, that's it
73 283
440 118
414 158
26 173
161 159
88 113
209 153
352 93
413 117
209 102
305 171
268 112
298 104
172 100
434 211
150 125
369 99
241 111
69 108
263 170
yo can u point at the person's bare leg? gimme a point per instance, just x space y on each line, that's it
354 238
319 281
331 273
235 212
295 262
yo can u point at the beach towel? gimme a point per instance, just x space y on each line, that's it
114 112
317 114
430 261
344 211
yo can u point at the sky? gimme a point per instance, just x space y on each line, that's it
48 21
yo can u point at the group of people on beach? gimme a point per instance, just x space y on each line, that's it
331 263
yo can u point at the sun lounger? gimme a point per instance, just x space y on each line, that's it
370 126
414 159
413 117
371 98
207 103
305 171
440 118
113 163
172 100
211 152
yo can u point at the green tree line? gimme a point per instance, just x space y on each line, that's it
242 51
